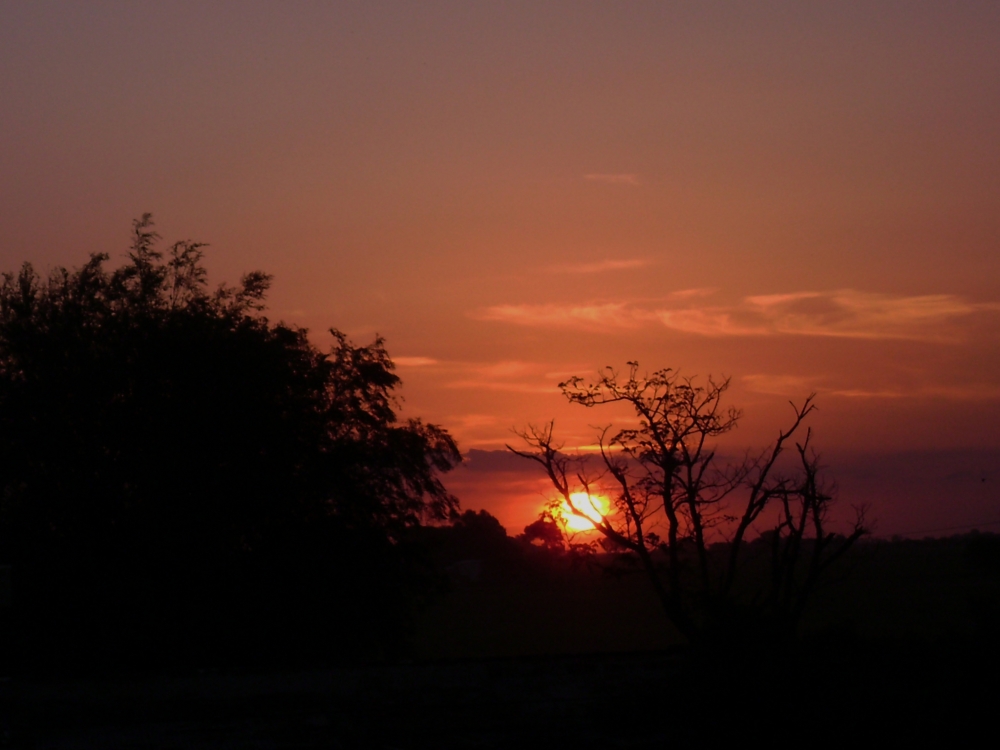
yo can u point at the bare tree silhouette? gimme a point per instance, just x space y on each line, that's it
685 517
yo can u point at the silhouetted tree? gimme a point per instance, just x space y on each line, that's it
685 518
471 535
182 478
545 532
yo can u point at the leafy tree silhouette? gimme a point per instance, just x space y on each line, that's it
545 532
182 480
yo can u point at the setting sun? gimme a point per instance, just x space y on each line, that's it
594 507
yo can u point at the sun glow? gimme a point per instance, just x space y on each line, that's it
594 507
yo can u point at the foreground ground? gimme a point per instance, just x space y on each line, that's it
904 646
597 701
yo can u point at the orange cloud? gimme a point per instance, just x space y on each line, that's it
793 386
614 315
703 291
854 314
602 266
846 313
414 361
966 392
511 376
711 321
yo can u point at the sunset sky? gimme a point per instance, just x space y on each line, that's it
802 196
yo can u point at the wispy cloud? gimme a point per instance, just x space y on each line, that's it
601 266
701 291
509 387
615 179
869 393
511 376
475 420
414 361
845 313
506 375
794 386
962 392
605 316
712 321
855 314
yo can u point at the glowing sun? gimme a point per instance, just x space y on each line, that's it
595 507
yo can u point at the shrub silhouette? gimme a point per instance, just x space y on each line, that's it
183 480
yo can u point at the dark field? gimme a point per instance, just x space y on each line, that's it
909 591
605 700
904 645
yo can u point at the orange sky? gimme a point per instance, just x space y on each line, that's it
803 198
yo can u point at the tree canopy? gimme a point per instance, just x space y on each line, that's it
176 468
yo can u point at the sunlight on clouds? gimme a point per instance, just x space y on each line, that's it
596 316
703 291
845 313
512 376
475 420
710 321
967 392
512 387
597 447
793 386
855 314
861 393
601 266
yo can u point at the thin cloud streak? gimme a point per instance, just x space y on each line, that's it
969 392
615 315
701 291
485 385
855 314
793 386
844 313
711 321
601 266
510 376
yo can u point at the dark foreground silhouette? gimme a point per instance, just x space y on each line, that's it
529 643
216 535
184 482
638 700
